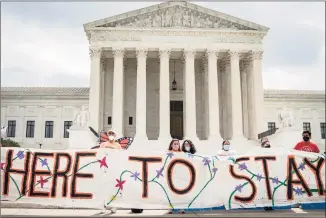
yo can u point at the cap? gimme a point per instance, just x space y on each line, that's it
112 131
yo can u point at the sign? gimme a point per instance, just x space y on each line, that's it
160 180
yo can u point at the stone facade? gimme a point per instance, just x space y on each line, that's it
59 105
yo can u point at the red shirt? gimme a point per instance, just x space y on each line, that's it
307 146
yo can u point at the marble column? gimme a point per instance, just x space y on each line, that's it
141 95
244 92
118 87
164 94
222 77
95 88
237 128
213 97
257 93
251 102
102 120
189 95
205 97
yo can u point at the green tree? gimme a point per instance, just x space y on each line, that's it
9 143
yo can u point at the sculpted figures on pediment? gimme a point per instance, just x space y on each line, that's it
176 16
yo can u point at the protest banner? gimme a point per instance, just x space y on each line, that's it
160 180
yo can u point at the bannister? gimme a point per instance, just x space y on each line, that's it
267 133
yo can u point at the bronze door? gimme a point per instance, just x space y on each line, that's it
176 119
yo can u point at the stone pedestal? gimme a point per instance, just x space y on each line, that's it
81 138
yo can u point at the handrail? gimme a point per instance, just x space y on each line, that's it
267 133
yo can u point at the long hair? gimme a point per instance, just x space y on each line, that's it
170 146
192 146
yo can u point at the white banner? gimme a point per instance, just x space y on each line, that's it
151 180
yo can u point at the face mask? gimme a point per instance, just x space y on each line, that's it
226 147
187 148
305 138
111 137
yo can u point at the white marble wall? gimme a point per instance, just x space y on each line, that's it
40 111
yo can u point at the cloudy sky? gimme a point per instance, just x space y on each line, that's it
44 44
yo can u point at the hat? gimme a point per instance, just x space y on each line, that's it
112 131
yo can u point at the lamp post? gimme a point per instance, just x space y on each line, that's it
174 83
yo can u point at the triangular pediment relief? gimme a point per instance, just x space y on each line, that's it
178 14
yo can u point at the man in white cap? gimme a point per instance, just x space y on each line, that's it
111 143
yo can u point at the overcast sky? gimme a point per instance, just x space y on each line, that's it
44 44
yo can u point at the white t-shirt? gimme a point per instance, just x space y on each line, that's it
226 153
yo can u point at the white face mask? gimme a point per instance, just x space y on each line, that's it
226 147
187 148
111 137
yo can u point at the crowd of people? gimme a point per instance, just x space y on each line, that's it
189 147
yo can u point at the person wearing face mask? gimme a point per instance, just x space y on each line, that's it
188 147
175 147
266 144
226 151
111 143
306 144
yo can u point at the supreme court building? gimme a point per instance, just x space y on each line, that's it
178 69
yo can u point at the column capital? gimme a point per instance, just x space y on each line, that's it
256 54
189 52
233 55
141 52
211 53
95 52
164 52
118 51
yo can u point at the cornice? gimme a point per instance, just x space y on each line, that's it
101 34
83 92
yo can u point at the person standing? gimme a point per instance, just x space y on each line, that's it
306 144
175 147
111 143
188 147
265 143
226 151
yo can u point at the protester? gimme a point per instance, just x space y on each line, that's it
306 144
174 145
188 147
264 139
226 151
111 143
265 143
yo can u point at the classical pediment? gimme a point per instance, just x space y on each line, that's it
176 14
